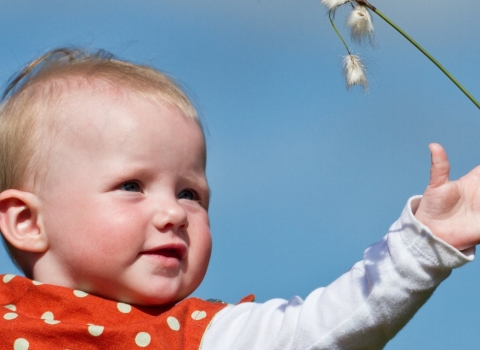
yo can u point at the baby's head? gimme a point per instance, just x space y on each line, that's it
103 184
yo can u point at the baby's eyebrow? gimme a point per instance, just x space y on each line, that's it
199 181
194 173
126 173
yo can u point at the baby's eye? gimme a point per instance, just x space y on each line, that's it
188 194
131 186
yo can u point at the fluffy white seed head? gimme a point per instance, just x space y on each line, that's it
333 4
355 72
361 26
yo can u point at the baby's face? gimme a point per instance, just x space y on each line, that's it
125 204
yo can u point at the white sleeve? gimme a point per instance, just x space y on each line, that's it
363 309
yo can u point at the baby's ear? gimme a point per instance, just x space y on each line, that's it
19 221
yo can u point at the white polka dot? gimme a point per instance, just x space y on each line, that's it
95 330
143 339
173 323
8 278
47 315
37 283
21 344
52 321
199 315
10 316
49 318
80 294
11 307
124 308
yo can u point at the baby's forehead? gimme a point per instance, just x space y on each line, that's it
98 98
99 108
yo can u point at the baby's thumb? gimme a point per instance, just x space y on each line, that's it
440 169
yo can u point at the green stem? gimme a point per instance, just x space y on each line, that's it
336 31
430 57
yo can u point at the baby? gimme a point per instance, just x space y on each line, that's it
104 206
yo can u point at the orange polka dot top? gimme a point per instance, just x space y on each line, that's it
40 316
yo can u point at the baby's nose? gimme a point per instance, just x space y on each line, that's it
170 215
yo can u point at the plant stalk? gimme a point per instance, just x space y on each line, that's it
336 31
422 50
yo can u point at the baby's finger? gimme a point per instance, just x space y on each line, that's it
440 168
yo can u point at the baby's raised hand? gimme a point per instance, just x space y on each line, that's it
451 209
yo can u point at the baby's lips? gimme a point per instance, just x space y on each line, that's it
173 250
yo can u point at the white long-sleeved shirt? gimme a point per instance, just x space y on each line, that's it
363 309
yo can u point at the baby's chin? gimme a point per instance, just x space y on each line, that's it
150 299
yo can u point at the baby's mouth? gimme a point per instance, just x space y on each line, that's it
172 251
168 253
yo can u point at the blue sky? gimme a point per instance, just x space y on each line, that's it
304 174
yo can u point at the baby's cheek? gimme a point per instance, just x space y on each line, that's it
120 233
110 235
200 257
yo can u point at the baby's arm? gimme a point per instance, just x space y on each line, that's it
368 305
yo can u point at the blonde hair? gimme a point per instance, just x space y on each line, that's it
34 93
